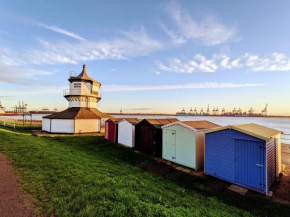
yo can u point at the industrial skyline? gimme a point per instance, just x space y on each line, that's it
162 55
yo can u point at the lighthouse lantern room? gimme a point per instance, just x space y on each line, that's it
82 115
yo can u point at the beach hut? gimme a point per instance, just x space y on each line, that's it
126 131
247 155
183 142
111 129
149 136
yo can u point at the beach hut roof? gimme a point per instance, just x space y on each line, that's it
161 122
116 119
131 120
83 76
194 125
252 129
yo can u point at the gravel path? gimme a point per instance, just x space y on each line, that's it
13 202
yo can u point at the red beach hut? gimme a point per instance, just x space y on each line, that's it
111 129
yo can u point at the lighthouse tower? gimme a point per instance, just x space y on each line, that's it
84 91
82 115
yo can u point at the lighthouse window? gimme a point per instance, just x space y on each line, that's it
77 85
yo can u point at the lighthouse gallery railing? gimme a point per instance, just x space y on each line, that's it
81 91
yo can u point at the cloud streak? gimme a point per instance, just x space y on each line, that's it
59 30
208 31
128 45
121 88
206 85
20 76
200 63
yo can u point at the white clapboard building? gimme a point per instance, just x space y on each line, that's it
82 115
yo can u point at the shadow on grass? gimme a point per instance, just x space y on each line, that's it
89 176
255 203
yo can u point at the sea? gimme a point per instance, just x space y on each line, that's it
282 124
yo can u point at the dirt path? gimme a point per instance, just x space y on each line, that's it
13 202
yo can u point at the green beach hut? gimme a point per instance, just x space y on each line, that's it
183 142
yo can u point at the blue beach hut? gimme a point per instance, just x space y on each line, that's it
247 155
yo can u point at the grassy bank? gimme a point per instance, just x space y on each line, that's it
19 125
88 176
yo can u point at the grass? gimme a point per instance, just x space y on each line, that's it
89 176
26 126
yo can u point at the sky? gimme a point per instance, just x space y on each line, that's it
150 56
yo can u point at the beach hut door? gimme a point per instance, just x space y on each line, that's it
250 163
171 145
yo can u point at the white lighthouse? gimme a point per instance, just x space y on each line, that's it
82 115
83 91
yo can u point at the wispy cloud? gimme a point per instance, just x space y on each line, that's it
209 31
128 45
20 76
32 90
59 30
275 62
176 37
206 85
200 63
118 88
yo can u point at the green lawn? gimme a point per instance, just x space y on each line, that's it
89 176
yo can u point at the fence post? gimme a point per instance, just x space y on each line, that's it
4 123
14 125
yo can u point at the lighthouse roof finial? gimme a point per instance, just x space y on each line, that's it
83 76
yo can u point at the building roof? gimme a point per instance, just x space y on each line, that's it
115 119
252 129
131 120
79 113
161 122
194 125
201 124
84 76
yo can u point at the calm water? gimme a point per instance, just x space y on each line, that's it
282 124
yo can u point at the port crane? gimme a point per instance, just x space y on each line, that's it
234 111
251 111
20 107
265 110
191 112
195 111
2 107
223 111
217 111
213 111
201 111
207 111
183 111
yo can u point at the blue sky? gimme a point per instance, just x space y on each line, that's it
160 55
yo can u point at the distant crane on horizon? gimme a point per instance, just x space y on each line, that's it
191 112
217 111
208 110
265 110
223 111
201 111
195 111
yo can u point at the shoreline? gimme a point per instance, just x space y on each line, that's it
157 114
162 114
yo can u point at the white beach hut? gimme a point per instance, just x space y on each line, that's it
126 132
